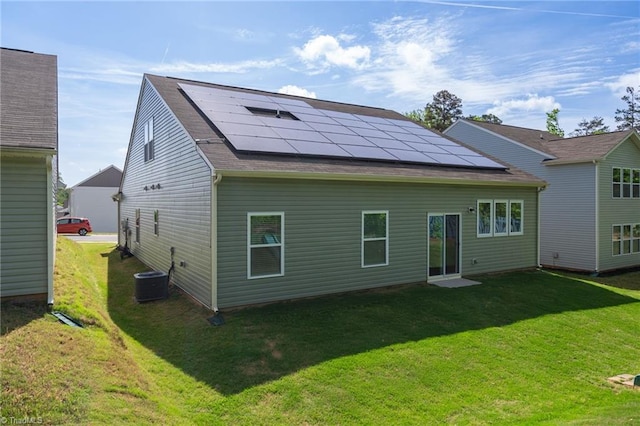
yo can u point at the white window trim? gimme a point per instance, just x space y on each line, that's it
149 145
521 232
631 184
156 222
622 239
250 246
363 239
495 217
138 225
490 233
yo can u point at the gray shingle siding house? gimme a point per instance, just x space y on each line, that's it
28 172
590 212
246 226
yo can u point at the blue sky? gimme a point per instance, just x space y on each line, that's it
514 59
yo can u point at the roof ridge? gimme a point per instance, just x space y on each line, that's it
267 92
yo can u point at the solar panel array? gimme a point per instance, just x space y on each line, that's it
322 132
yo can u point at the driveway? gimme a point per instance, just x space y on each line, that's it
93 238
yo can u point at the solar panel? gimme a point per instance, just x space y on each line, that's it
373 153
412 156
422 147
318 148
390 143
331 128
374 133
255 143
348 139
229 129
306 130
354 123
301 135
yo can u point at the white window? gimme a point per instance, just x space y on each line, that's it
498 218
156 227
138 226
626 239
625 183
148 140
265 245
485 218
501 218
516 219
375 238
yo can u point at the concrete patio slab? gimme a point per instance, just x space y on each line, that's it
455 283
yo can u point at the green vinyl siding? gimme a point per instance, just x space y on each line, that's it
323 229
24 233
616 211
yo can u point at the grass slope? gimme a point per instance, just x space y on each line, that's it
521 348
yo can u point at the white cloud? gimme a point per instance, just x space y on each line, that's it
215 67
408 56
620 84
533 102
324 51
297 91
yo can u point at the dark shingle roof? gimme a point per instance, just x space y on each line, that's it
224 158
560 150
107 178
28 99
585 148
531 137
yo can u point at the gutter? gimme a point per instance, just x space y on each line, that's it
597 216
540 189
377 178
51 232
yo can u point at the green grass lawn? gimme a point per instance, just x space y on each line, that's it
522 348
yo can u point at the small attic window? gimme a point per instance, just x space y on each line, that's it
274 113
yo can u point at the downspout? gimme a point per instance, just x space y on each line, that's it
51 249
540 189
597 216
217 177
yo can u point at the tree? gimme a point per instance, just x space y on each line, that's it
62 194
629 118
440 113
415 115
552 123
595 126
489 118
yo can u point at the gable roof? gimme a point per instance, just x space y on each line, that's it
107 178
530 137
28 100
224 158
587 148
578 149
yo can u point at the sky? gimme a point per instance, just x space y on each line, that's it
515 59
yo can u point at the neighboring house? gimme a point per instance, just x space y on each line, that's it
259 196
28 172
590 213
92 198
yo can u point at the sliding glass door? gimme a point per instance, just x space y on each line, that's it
443 246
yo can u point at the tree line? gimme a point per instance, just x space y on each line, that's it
445 108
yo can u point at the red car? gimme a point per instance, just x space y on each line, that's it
73 225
